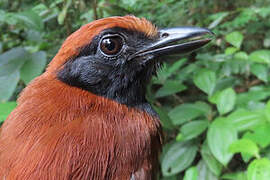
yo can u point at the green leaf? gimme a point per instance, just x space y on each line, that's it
178 157
226 100
166 147
8 85
12 60
10 63
260 135
235 66
244 146
206 81
187 71
214 98
219 136
224 83
259 169
235 176
267 111
244 120
255 106
31 19
230 50
221 57
193 129
254 94
266 42
164 118
33 67
34 36
185 112
218 17
204 172
1 47
260 71
169 88
170 178
264 11
241 56
210 160
175 66
168 70
62 15
191 174
235 38
179 137
5 110
260 56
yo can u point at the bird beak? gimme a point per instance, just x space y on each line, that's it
177 40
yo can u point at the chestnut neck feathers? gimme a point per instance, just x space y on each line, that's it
62 132
77 121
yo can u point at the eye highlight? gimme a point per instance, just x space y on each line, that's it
111 45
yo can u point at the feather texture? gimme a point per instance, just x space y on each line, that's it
63 132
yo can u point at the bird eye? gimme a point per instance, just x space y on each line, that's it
111 45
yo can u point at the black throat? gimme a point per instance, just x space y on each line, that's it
125 87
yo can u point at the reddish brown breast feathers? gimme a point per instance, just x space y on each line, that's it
63 132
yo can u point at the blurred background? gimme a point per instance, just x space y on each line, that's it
213 103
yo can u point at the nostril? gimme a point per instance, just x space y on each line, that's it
164 35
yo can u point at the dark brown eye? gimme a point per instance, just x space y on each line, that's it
111 45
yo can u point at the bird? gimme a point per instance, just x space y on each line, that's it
86 116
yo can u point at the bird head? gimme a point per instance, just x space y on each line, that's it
116 57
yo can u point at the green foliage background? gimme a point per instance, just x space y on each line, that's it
213 103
